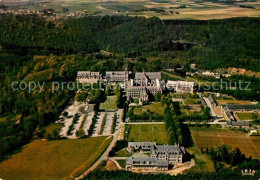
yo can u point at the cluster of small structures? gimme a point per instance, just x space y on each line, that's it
231 109
46 12
160 156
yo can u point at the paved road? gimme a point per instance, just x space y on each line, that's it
104 156
144 123
117 164
117 158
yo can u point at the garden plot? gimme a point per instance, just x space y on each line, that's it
210 137
71 111
108 125
98 124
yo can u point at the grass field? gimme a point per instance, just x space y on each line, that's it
123 153
121 163
53 159
109 104
50 128
155 107
232 101
203 161
211 137
246 116
147 132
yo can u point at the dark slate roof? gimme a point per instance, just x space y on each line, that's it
143 145
246 107
171 149
237 123
146 161
150 75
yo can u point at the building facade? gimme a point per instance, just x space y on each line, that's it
147 163
160 154
88 77
181 86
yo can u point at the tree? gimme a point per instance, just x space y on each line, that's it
108 90
255 116
55 134
158 96
171 138
236 157
80 133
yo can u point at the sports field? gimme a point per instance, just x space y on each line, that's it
147 132
58 159
109 104
212 137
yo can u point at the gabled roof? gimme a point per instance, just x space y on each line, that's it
237 123
169 149
241 107
150 75
144 161
142 145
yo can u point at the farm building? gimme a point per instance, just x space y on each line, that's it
237 123
239 107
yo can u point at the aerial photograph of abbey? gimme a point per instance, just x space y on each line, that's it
147 89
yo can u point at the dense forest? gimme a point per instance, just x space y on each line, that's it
33 49
211 44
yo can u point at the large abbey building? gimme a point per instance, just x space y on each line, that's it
139 85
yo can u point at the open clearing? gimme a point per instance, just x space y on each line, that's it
147 132
53 159
51 127
155 107
212 137
203 161
109 104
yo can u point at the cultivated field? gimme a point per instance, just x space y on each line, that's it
212 137
109 104
53 159
155 107
147 132
181 9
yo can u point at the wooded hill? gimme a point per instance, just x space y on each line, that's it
211 44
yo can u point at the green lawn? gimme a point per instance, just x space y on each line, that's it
50 128
57 159
202 160
246 116
121 163
123 153
147 132
109 104
155 107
